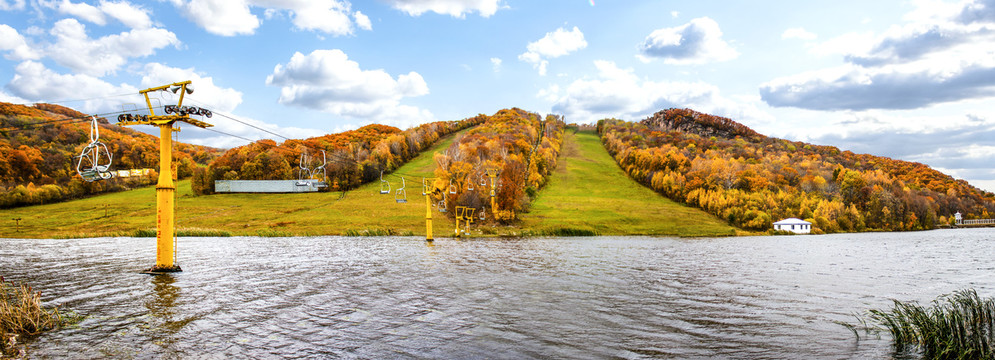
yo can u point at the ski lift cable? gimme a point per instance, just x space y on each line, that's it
340 157
76 100
231 117
49 122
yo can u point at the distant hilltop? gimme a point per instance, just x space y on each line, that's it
693 122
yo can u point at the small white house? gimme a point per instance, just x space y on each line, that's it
795 225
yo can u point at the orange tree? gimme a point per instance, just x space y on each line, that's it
521 146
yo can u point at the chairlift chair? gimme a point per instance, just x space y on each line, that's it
482 214
469 183
94 170
400 195
324 175
442 203
384 184
452 187
483 180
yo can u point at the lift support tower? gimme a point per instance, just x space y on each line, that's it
165 190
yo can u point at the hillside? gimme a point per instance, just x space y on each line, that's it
588 193
38 145
574 198
751 180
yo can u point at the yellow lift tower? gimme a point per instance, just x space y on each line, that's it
165 190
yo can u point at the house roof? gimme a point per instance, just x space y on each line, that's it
792 221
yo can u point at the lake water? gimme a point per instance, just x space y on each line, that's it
397 297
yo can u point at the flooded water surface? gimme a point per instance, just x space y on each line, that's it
396 297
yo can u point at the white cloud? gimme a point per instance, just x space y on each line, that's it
455 8
235 17
362 20
327 16
697 42
496 62
327 80
6 5
123 11
75 50
945 53
128 14
621 94
82 11
220 17
553 45
848 43
798 33
8 98
34 82
12 41
675 14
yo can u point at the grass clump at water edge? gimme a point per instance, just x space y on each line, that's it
378 232
22 315
960 325
186 232
560 232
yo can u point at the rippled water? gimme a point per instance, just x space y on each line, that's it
396 297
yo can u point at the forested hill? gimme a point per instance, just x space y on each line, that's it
38 146
752 180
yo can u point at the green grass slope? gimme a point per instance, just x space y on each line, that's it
588 192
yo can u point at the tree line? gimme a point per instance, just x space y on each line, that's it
752 180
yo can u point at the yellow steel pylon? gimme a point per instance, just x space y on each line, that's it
427 191
165 190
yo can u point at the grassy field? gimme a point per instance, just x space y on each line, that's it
587 192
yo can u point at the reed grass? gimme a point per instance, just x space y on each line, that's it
560 232
87 235
144 233
378 232
274 233
199 232
960 325
22 315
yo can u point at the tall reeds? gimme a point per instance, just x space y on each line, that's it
954 326
21 314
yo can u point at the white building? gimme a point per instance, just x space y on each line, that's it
795 225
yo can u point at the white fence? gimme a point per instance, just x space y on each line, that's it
265 186
977 222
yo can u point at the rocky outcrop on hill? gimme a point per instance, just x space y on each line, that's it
693 122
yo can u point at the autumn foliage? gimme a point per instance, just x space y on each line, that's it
353 157
752 180
38 146
520 146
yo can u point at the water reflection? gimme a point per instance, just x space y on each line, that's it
161 324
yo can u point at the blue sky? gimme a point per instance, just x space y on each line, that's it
912 80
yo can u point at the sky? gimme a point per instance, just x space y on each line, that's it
911 80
